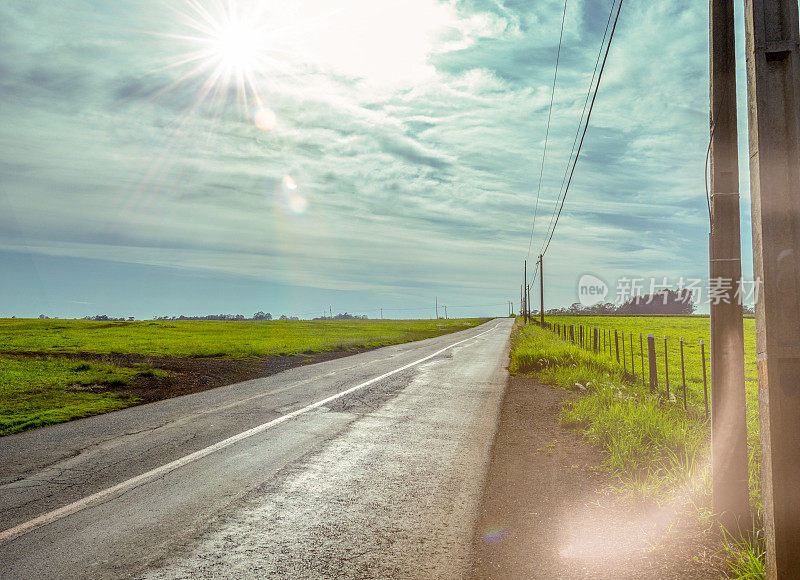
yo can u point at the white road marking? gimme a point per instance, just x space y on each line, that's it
110 492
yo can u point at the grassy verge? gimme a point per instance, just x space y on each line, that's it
657 449
44 391
212 338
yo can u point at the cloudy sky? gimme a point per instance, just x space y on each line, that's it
207 156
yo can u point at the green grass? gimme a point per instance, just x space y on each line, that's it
211 338
43 391
655 447
48 389
692 330
650 443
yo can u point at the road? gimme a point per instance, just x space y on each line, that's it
366 466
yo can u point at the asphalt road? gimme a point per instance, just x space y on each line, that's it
366 466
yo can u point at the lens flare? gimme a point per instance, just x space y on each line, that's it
290 196
495 534
266 119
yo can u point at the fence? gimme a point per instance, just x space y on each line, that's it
613 343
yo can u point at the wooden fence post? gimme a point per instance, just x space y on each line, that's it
641 355
705 381
666 367
616 344
633 360
572 333
651 359
683 377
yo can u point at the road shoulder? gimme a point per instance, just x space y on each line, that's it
548 511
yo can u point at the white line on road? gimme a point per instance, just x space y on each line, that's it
108 493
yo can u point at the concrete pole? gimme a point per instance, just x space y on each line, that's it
729 485
773 94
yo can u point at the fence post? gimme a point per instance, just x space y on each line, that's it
624 362
705 382
666 367
641 354
596 339
683 377
651 359
616 344
572 333
633 360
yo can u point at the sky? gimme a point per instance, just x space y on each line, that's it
229 156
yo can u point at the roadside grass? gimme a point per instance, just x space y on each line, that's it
213 338
656 448
692 330
651 444
35 392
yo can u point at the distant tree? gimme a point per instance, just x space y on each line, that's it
260 315
748 310
43 317
662 302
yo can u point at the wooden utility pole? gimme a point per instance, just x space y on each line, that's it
525 287
729 486
541 290
528 300
773 94
437 308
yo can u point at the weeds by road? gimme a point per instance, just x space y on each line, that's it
35 392
658 450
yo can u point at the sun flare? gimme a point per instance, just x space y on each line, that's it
251 45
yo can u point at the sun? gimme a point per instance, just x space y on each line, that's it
227 46
238 45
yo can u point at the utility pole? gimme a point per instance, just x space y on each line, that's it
525 289
437 308
381 313
445 311
729 477
541 289
773 94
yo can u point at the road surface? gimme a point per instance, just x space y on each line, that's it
366 466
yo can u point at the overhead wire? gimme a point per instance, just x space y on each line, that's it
546 244
581 119
547 130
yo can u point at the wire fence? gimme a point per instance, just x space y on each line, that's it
647 359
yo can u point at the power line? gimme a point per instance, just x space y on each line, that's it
580 120
547 131
546 245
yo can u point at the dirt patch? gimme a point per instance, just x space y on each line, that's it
549 512
191 375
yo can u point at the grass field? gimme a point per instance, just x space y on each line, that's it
38 387
213 338
657 448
